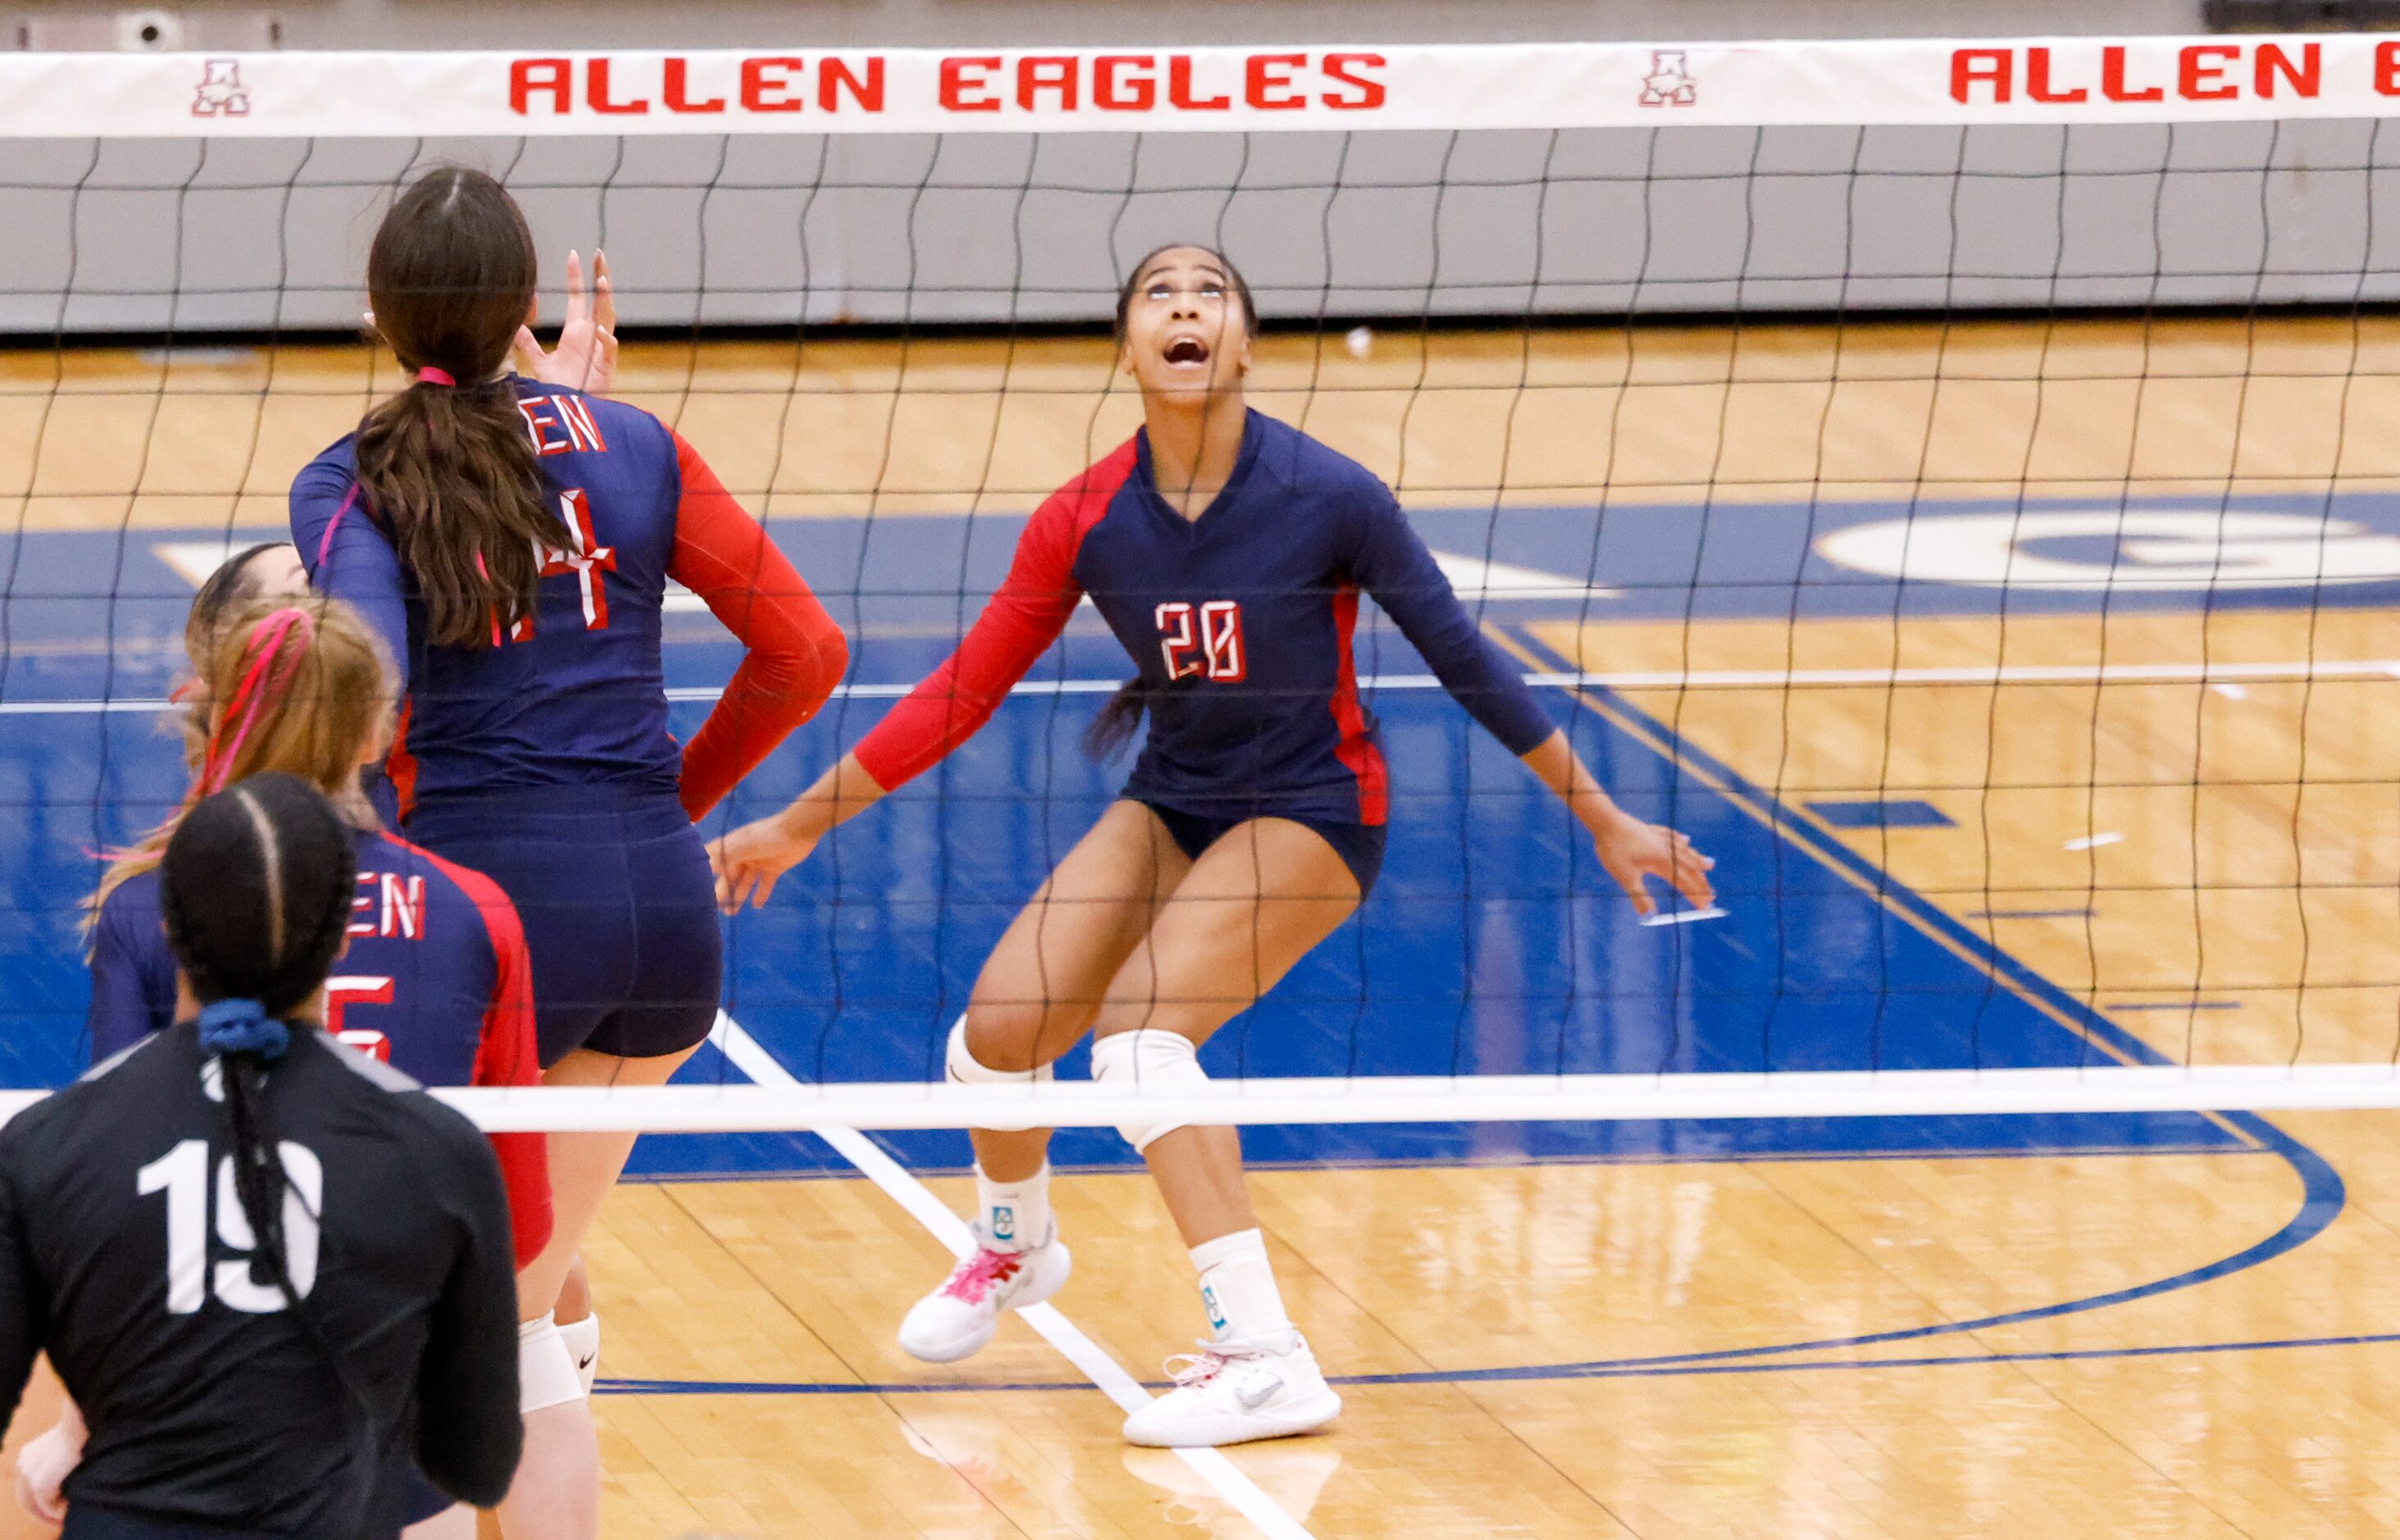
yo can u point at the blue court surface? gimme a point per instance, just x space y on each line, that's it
1494 944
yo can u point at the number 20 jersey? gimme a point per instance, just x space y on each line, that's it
1240 622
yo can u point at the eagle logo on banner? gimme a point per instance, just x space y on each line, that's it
222 94
1669 83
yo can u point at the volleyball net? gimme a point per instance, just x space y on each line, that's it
1952 480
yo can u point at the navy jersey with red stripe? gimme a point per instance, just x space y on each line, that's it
575 695
1240 622
435 982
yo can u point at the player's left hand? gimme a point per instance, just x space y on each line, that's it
585 357
748 861
1633 851
43 1467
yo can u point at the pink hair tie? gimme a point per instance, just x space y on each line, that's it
434 376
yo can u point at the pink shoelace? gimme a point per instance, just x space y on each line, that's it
1196 1369
974 1279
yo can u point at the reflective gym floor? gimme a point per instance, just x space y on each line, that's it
1993 779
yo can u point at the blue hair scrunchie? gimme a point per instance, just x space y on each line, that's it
242 1027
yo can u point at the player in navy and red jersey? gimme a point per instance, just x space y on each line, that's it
270 570
433 978
513 538
431 945
1227 551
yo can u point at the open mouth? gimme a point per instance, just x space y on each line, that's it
1187 350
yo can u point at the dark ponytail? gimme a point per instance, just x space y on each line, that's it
256 891
450 469
1106 736
1121 714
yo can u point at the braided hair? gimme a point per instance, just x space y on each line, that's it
255 890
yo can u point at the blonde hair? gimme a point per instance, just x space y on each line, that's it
301 686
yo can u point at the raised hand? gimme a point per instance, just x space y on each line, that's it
585 357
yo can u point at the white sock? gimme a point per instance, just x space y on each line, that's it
1238 1286
1015 1215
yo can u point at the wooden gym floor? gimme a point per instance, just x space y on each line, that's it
1967 817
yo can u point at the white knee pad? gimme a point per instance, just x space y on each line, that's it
1148 1058
582 1339
962 1069
546 1374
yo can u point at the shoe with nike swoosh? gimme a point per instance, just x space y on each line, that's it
1233 1391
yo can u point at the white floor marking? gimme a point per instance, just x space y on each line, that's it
2111 674
1472 577
2093 841
194 560
751 1058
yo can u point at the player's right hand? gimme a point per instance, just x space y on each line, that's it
585 357
748 861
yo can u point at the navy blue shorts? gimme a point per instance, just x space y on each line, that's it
1360 846
618 907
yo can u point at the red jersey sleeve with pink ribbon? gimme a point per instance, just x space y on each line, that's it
1024 616
507 1056
797 653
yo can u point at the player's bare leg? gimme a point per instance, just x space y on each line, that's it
556 1495
1253 905
584 1167
1037 995
1041 988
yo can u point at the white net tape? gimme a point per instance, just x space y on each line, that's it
2250 102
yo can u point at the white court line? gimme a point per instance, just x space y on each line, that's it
79 708
2031 674
2093 841
751 1058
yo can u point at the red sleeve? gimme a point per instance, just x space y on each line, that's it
508 1056
1023 618
796 656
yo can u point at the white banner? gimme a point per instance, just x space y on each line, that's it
920 90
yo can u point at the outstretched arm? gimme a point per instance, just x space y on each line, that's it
1390 563
750 860
1631 849
1023 618
1396 567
